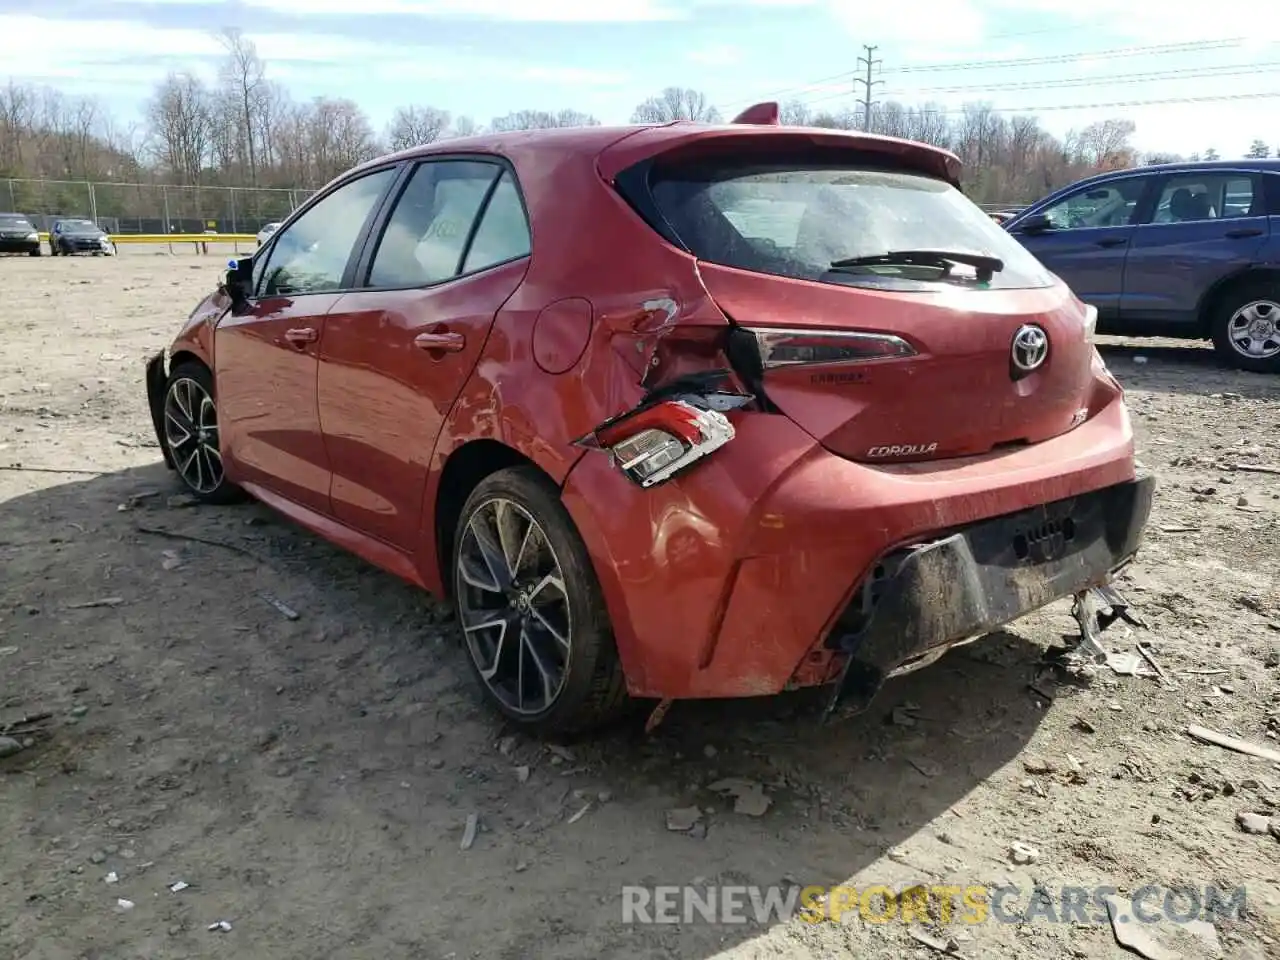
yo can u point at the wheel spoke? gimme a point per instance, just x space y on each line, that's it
177 423
545 673
480 579
490 550
552 581
508 542
560 638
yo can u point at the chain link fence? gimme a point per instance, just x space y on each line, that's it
144 208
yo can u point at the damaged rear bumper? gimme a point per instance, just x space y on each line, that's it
156 379
920 601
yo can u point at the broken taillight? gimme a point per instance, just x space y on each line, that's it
782 348
655 442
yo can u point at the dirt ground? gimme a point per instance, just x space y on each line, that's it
311 779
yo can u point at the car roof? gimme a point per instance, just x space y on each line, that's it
1261 165
651 139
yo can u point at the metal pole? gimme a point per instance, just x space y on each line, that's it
164 192
13 202
232 191
93 202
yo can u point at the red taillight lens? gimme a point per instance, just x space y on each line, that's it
656 442
783 348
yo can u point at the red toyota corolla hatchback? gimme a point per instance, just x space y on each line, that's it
668 411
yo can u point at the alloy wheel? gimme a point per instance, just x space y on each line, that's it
513 604
1254 330
191 433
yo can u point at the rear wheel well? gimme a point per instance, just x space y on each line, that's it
463 471
1224 288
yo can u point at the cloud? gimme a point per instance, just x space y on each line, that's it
513 11
122 52
1153 21
927 27
546 11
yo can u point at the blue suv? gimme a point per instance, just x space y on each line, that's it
1187 250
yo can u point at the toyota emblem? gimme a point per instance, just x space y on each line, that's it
1030 347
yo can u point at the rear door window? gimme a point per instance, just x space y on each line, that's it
503 233
1192 197
428 230
797 220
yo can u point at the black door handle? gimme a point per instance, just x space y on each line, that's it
1241 232
1113 241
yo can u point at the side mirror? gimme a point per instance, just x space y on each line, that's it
238 281
1036 223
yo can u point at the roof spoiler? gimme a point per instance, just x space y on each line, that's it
764 114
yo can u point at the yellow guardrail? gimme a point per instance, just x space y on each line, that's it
175 238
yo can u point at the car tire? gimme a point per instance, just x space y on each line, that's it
34 253
545 621
1251 306
53 249
190 427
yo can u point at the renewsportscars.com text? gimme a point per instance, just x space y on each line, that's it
973 904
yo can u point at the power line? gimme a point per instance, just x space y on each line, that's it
845 74
1149 50
957 111
868 83
1106 54
1182 73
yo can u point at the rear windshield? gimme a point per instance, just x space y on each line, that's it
797 220
15 223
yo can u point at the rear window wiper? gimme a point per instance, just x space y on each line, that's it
986 265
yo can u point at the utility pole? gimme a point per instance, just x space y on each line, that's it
868 84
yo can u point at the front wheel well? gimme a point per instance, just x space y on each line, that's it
463 471
185 356
1212 301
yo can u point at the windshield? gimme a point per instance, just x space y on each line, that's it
79 225
15 223
796 220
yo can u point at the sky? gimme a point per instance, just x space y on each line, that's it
485 58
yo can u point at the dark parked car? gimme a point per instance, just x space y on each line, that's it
79 236
1179 250
18 235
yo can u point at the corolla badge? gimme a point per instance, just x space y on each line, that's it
1030 347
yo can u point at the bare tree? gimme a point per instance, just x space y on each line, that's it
180 116
17 120
843 120
1104 145
244 76
541 120
795 113
676 103
413 126
340 137
464 127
